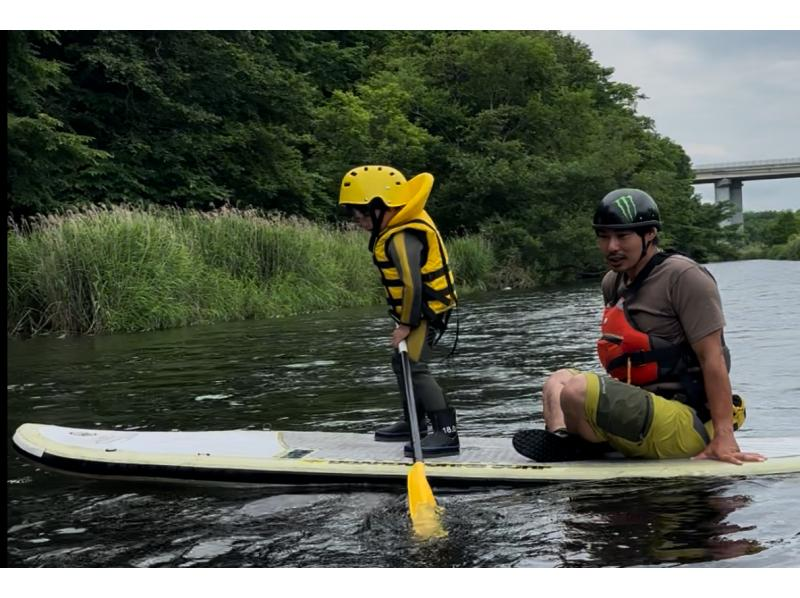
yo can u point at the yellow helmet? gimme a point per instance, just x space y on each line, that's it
364 183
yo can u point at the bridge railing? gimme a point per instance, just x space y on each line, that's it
780 162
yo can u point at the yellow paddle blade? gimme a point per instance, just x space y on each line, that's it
422 505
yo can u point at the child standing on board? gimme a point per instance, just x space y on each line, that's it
411 258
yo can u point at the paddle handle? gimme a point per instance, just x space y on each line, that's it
410 400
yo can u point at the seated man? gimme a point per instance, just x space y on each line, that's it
668 394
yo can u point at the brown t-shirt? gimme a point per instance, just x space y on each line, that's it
678 301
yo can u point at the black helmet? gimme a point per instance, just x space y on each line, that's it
627 209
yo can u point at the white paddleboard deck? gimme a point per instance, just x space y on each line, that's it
285 457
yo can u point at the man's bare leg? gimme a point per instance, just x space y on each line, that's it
573 401
551 399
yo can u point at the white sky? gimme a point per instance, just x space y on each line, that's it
724 95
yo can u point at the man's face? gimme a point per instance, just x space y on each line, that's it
621 248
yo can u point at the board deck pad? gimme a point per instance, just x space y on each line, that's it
289 457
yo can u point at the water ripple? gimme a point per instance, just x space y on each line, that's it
332 372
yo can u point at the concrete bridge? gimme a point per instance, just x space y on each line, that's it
728 178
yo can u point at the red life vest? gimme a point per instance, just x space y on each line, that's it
633 356
630 355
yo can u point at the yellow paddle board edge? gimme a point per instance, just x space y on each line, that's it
30 441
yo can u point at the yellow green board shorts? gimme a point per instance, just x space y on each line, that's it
638 423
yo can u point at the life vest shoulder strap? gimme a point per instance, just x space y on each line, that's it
658 259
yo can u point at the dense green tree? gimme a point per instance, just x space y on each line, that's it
785 225
195 118
771 234
523 130
48 161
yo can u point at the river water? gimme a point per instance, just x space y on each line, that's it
330 372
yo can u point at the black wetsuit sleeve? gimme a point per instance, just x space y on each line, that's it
405 252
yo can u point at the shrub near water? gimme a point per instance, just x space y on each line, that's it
109 270
122 269
473 261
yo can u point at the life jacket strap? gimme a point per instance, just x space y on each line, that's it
434 275
666 357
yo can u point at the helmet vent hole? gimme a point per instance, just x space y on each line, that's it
353 174
366 168
347 184
397 182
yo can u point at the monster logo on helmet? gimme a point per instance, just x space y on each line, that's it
627 209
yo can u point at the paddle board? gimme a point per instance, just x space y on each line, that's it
296 458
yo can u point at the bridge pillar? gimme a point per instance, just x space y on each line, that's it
730 190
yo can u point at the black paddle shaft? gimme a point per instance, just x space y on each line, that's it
410 401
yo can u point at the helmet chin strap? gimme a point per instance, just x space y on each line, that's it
645 247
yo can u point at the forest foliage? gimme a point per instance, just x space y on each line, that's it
523 130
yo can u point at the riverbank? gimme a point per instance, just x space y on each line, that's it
128 269
125 269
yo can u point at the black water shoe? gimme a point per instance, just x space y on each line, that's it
549 447
438 444
399 432
444 440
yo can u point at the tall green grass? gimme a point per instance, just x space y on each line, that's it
473 261
120 269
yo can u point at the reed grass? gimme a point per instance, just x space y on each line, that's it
123 269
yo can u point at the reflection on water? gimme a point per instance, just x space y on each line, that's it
331 372
680 523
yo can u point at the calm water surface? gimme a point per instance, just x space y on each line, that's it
331 372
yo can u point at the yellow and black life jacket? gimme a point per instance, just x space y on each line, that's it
438 289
